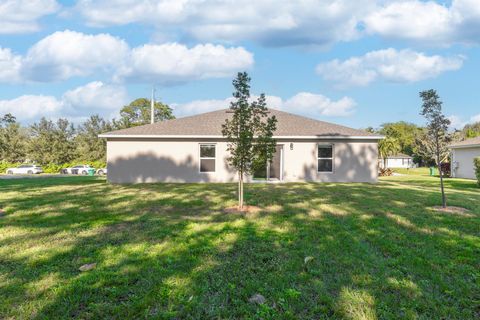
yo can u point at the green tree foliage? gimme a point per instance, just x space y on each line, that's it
52 142
404 133
388 147
476 163
138 113
12 139
437 130
471 130
89 147
249 132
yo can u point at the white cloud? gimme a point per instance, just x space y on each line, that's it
390 65
173 62
305 103
317 104
288 23
96 97
457 122
10 65
20 16
76 104
271 22
28 107
427 21
67 54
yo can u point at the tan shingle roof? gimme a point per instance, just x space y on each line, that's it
466 143
210 124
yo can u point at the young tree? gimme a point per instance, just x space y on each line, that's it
137 113
437 130
387 147
249 132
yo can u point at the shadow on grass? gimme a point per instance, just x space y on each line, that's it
169 251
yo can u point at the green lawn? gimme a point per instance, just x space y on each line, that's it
169 251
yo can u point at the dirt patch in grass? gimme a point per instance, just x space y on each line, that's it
452 209
245 209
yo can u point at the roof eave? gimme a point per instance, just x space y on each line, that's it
465 146
153 136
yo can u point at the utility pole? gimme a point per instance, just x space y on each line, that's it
152 107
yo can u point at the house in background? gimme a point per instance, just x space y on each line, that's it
462 155
399 160
192 149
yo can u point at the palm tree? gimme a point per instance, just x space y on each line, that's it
388 147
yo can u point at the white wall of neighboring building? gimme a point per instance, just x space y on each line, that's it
397 162
462 162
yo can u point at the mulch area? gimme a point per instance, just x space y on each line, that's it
451 209
245 209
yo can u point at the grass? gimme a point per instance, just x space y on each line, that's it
422 171
168 251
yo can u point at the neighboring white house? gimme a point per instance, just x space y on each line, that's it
192 149
463 153
397 161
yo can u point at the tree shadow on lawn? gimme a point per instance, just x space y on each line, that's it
378 252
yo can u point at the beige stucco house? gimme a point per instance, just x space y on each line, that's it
398 160
463 153
192 149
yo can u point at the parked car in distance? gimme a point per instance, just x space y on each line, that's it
102 171
80 169
25 169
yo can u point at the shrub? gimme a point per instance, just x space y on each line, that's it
446 169
5 165
476 164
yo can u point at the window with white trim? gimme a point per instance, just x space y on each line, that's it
207 157
325 158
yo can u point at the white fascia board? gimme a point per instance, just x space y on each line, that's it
149 136
465 146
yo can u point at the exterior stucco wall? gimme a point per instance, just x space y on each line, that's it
464 158
135 161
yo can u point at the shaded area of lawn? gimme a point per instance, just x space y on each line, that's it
169 251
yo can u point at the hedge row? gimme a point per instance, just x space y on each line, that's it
476 163
55 168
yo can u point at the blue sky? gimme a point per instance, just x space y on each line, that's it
358 63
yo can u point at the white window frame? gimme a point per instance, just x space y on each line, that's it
200 158
332 158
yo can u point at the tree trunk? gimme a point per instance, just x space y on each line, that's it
384 162
439 163
240 190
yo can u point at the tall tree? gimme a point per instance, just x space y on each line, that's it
52 142
13 139
249 132
471 130
138 113
88 145
437 130
388 147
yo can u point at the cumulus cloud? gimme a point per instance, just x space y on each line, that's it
288 23
67 54
95 97
427 21
390 65
21 16
305 103
10 65
458 122
76 104
270 22
29 107
173 62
